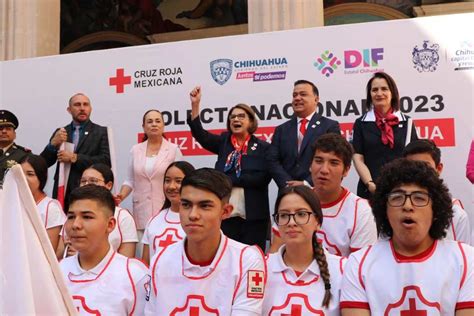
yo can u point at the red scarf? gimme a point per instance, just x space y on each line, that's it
234 158
385 123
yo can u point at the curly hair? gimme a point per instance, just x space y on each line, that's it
403 171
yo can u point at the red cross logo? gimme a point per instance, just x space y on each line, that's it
412 295
295 304
168 241
199 305
257 279
120 80
194 311
412 311
295 311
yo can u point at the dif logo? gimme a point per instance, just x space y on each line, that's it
361 61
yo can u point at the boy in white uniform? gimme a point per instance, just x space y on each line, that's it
348 223
412 269
207 273
101 281
427 151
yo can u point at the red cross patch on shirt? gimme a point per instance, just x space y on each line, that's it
255 284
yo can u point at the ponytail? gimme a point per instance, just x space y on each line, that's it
320 257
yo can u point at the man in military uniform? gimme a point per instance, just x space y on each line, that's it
10 153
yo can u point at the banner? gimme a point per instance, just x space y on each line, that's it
431 59
32 283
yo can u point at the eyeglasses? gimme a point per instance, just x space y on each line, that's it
417 198
240 116
300 218
95 181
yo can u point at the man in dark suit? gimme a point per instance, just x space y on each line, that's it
90 141
10 153
290 154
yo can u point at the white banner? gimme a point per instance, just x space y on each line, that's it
31 280
431 59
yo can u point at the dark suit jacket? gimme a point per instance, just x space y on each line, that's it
93 147
367 142
15 153
285 162
254 177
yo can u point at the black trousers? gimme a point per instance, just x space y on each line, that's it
248 232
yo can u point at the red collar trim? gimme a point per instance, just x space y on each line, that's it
212 268
338 200
198 263
70 275
423 256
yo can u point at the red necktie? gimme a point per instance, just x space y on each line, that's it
303 126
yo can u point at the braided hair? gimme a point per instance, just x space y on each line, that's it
318 251
320 257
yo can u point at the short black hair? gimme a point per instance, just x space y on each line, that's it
395 101
210 180
185 167
313 86
40 167
95 193
423 146
404 171
336 143
104 170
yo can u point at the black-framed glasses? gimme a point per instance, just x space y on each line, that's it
417 198
240 116
299 217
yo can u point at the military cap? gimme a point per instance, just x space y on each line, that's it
8 118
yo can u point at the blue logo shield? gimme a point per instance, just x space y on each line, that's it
221 70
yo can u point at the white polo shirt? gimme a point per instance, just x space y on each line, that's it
51 212
162 230
116 286
286 293
460 229
437 282
233 284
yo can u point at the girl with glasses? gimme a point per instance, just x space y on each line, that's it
411 269
123 238
303 277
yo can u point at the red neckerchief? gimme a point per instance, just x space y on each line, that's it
385 123
234 158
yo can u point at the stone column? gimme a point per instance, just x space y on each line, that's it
277 15
29 28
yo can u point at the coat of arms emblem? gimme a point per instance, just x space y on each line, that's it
426 58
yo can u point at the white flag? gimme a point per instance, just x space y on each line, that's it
64 170
31 282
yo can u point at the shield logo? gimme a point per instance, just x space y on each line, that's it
221 70
426 58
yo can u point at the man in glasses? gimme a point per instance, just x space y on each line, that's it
10 152
348 221
427 151
411 269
